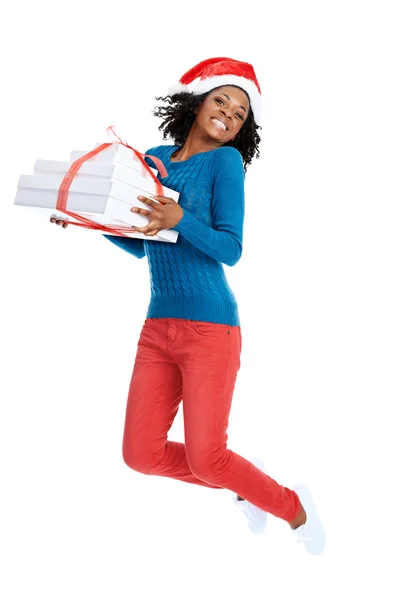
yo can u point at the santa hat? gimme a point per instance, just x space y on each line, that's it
215 72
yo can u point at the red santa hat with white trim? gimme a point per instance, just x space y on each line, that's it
214 72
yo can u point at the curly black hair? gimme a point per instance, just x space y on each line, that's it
179 117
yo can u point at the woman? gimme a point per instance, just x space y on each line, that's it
190 344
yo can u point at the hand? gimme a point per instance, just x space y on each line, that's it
166 214
59 222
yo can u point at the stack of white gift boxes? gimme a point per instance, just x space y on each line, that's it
104 190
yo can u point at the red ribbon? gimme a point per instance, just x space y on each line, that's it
62 197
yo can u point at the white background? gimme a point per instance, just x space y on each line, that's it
317 288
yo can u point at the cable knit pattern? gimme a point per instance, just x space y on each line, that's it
187 279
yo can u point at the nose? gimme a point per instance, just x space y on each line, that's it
226 112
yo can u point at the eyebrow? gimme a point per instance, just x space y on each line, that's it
240 106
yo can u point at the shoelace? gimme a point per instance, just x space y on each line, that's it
302 534
249 509
253 514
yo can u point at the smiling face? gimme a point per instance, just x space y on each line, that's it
223 113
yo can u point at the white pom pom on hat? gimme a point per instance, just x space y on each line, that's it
214 72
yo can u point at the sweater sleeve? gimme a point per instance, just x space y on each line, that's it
223 241
131 245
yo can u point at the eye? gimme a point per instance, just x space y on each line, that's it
221 102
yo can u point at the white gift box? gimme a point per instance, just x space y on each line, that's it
103 199
115 154
104 170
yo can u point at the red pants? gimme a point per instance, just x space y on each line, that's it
198 362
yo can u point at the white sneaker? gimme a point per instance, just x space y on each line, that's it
257 518
312 533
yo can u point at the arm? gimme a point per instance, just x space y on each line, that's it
131 245
223 242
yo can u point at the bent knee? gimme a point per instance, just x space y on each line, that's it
203 469
138 461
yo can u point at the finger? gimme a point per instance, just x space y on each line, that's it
146 230
163 199
141 211
148 201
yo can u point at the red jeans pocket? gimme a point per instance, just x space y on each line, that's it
207 329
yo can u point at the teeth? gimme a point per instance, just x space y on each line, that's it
219 124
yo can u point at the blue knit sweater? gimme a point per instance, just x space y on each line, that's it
187 278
